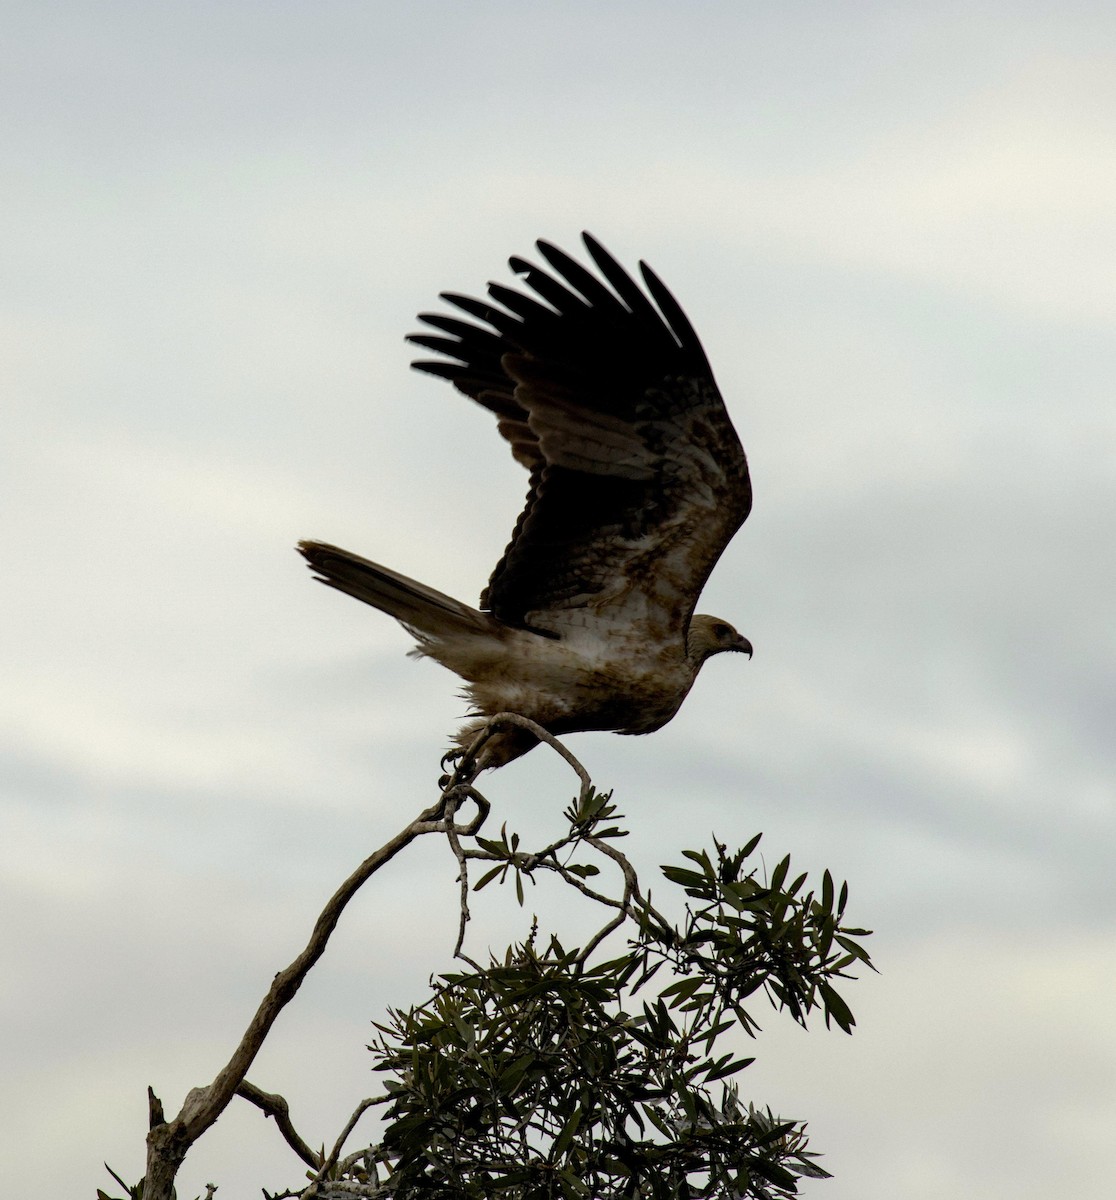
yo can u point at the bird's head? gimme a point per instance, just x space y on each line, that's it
710 635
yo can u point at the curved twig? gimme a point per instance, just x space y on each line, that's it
453 836
273 1105
514 719
547 857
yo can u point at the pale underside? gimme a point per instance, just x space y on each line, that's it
593 678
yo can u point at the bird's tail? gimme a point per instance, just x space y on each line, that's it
428 614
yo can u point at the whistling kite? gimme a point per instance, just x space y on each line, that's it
638 481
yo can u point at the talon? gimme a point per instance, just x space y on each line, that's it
452 758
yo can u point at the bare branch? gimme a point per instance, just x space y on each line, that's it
463 885
335 1153
509 718
154 1110
276 1106
169 1141
213 1099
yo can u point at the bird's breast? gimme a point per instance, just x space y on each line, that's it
573 684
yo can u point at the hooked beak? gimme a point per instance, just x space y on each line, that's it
743 646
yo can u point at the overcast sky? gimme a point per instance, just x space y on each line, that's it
892 225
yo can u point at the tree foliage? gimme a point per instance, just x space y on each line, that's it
556 1073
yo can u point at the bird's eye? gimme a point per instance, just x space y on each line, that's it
722 632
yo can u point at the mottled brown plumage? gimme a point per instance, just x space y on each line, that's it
637 483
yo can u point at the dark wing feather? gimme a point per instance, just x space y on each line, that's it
638 480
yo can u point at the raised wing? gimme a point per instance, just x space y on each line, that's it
638 479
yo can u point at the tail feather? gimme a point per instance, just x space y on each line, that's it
427 613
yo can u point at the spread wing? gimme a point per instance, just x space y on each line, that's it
638 479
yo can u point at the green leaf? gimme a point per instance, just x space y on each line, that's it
836 1008
489 876
728 1066
684 878
565 1137
701 858
683 989
779 874
856 950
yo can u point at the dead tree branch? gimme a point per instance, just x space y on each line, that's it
168 1142
275 1106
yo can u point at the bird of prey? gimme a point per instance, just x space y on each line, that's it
637 483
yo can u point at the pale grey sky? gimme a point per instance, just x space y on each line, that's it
891 225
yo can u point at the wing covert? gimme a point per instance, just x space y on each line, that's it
638 480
